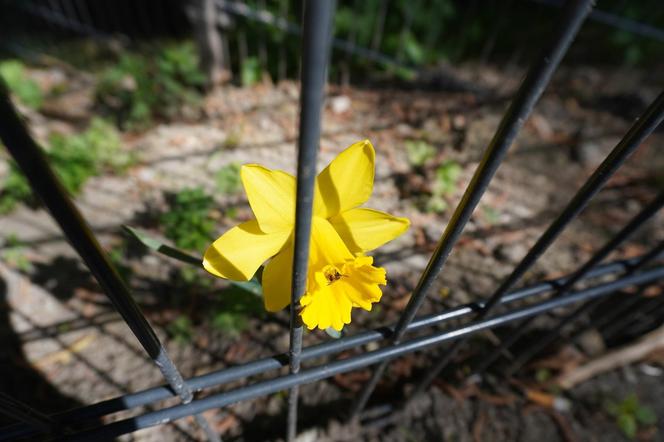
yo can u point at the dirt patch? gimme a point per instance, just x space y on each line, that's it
65 330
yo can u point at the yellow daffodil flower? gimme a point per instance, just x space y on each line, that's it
340 276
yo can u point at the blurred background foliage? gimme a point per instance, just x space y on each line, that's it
395 37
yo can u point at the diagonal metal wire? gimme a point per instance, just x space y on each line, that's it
536 347
316 32
18 410
45 184
529 92
635 136
328 348
623 310
614 328
641 129
361 360
648 316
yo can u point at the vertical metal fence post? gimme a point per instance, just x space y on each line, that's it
44 183
316 30
529 92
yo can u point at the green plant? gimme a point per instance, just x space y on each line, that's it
447 175
74 158
13 253
104 143
15 189
445 182
140 87
181 329
230 323
629 414
20 84
188 222
232 140
228 179
251 71
436 204
236 305
419 152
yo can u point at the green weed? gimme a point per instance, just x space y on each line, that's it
140 87
13 253
228 179
250 72
20 84
630 415
181 329
447 176
235 307
419 152
188 222
445 183
74 158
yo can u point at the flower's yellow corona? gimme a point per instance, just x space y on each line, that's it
340 277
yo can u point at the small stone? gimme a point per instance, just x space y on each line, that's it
592 343
340 104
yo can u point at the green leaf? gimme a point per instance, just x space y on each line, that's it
436 204
333 333
158 246
627 424
413 49
645 415
20 84
543 375
228 179
419 152
252 286
447 176
630 404
250 71
181 329
187 222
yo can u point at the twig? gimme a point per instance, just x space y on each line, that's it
617 358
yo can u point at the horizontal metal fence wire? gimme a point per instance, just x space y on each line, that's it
360 361
218 378
601 281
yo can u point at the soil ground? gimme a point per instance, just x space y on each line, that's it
70 347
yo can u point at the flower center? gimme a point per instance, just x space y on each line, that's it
331 273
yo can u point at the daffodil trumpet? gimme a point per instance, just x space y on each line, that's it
340 275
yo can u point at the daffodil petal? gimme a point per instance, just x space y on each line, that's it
277 278
327 247
366 229
326 307
239 252
346 182
271 195
362 281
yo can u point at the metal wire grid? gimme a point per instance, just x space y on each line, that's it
316 42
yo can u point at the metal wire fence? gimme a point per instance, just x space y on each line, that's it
391 35
498 309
